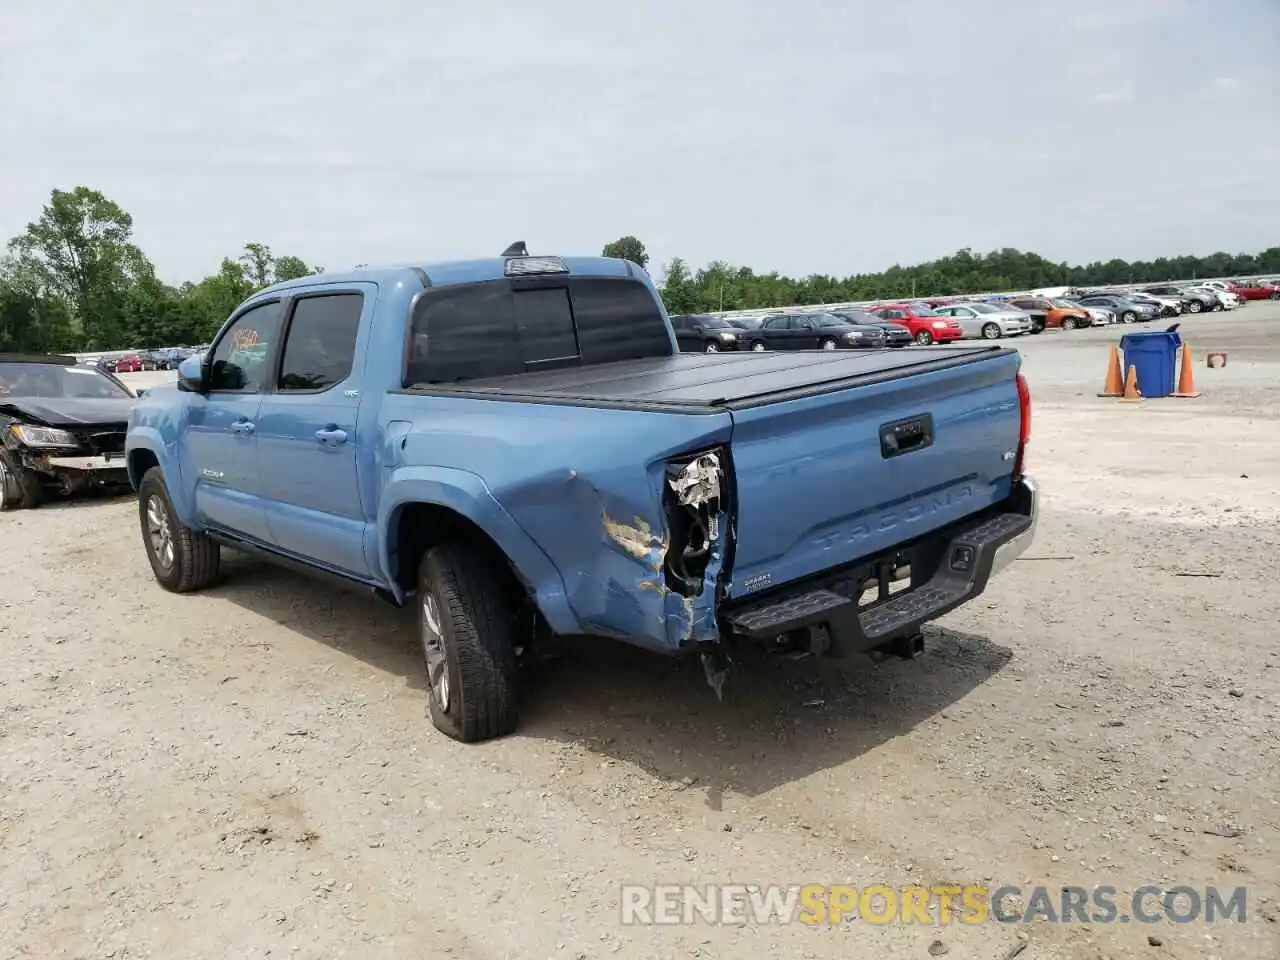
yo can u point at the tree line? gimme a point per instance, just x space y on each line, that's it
75 281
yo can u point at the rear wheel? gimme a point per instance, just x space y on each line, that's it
1068 323
991 331
182 559
924 338
468 644
20 488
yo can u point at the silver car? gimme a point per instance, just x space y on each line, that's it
991 321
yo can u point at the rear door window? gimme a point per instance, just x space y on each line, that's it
320 346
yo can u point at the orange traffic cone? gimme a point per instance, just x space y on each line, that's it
1186 383
1131 386
1112 386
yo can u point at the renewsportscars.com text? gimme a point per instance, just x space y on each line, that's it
675 904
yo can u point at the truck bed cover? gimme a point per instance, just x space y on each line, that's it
711 382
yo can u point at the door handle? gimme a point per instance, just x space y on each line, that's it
331 436
242 426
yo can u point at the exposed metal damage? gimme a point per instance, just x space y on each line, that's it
662 584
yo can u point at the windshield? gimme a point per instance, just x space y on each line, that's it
923 310
57 382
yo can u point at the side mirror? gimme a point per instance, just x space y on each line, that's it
191 374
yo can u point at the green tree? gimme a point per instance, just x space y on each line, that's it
678 290
627 248
214 298
293 268
80 248
258 263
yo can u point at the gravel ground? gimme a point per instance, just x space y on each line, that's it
248 772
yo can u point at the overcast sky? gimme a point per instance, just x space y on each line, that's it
803 136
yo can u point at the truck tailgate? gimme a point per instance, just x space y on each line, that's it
825 479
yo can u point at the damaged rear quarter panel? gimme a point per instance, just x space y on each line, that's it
586 484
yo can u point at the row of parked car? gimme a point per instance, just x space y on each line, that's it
945 319
164 358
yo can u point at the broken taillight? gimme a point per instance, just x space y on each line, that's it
1024 430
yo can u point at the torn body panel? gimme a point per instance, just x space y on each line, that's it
639 566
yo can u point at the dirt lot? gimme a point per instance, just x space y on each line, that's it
248 772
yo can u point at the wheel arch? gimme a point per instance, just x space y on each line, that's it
424 507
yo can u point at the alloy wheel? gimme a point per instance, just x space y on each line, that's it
433 651
160 531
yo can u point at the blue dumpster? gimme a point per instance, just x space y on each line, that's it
1155 357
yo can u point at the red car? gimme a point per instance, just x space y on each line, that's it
1255 291
925 325
130 364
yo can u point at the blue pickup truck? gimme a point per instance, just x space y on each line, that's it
515 446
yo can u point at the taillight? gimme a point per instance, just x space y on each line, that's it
1024 431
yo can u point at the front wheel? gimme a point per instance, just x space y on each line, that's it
20 489
1274 296
468 644
1195 306
182 559
828 344
1217 308
924 338
1128 317
711 347
1068 323
990 331
757 347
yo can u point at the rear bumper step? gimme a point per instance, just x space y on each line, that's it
949 567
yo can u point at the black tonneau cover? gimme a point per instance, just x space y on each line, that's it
710 382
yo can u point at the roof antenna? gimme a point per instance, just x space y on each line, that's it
517 249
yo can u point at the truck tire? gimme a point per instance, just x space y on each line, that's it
468 644
182 559
20 489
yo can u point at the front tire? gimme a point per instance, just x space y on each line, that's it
990 331
183 560
1128 317
757 347
924 338
1217 308
1068 323
20 489
828 344
468 644
711 347
1195 306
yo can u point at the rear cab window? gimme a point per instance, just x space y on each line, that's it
505 327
